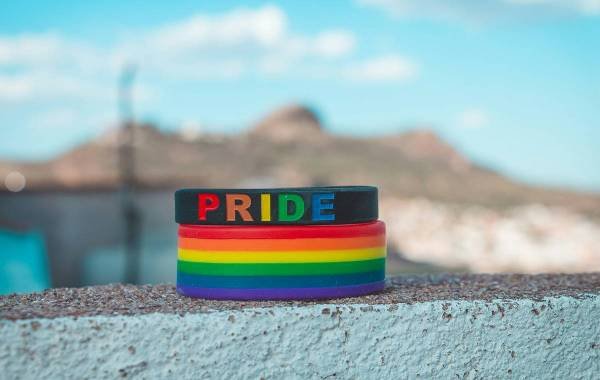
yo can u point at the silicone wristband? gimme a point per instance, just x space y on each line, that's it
281 262
301 205
281 293
282 232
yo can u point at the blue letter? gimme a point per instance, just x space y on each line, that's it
318 205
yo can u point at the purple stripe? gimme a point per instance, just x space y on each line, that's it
281 293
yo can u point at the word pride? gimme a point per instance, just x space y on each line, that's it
282 207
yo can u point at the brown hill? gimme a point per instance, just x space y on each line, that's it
290 148
290 124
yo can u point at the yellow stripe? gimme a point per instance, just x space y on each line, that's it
281 256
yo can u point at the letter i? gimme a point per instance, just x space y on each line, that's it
265 207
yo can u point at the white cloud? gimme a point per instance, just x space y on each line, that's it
49 67
231 44
14 88
239 29
473 118
42 85
586 7
55 118
325 46
390 68
334 43
29 49
49 50
485 10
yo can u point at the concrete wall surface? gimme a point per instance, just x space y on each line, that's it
536 327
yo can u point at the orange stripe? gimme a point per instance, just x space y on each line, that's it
281 244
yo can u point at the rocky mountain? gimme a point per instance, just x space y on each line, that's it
290 147
291 123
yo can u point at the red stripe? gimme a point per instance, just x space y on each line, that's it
282 232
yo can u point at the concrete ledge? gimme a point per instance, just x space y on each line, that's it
471 326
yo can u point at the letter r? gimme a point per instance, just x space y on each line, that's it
238 203
207 202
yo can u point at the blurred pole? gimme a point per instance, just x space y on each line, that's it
127 175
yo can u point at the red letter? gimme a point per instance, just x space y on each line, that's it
207 202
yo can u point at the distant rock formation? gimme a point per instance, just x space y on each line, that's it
289 123
425 144
290 148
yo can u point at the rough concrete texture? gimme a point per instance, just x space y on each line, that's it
428 327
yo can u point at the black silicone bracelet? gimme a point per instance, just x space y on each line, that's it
300 205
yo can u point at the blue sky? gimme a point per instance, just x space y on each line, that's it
515 84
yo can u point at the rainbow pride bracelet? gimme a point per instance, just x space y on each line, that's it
283 206
281 262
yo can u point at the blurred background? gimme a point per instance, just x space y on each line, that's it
479 122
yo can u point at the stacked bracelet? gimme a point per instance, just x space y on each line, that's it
285 262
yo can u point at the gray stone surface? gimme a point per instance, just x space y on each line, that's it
467 326
126 300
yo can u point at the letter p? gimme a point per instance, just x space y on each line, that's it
207 202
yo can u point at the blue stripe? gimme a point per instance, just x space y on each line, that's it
258 282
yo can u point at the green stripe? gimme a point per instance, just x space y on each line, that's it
277 269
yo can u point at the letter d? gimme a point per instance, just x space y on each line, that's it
284 200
